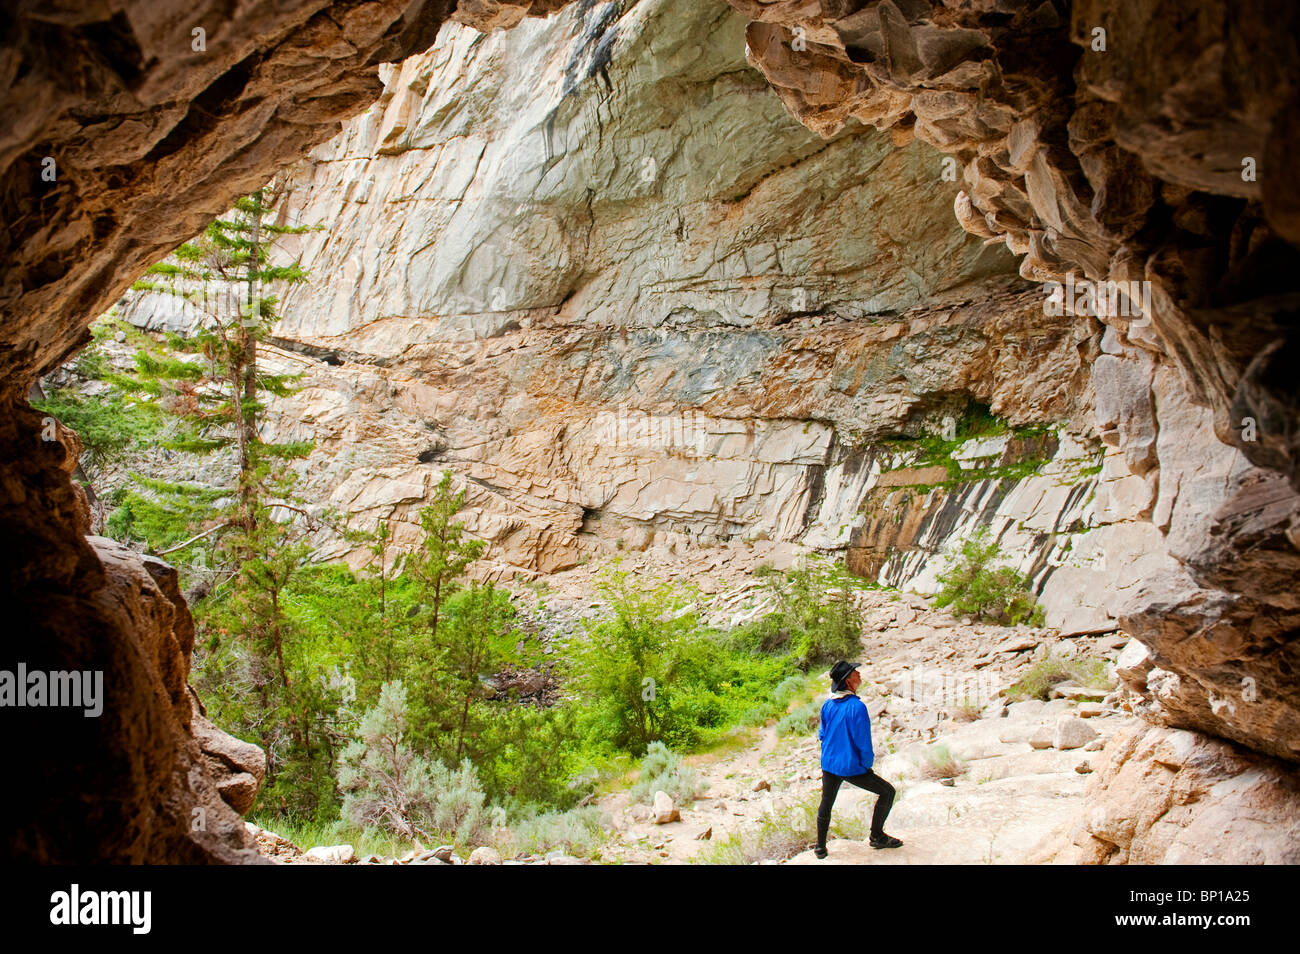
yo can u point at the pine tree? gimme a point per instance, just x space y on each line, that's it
212 380
215 384
447 552
379 636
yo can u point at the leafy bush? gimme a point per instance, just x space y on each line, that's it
162 514
781 837
662 770
815 619
801 721
648 671
936 761
532 756
1038 681
579 832
626 665
789 689
387 785
973 586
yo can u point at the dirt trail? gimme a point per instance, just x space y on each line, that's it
920 666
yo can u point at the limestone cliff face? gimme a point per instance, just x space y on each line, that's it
1077 164
590 267
631 303
1146 142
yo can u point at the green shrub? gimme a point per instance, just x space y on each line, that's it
1042 676
579 832
936 761
532 756
974 586
649 671
387 785
788 689
801 721
663 770
815 618
626 666
780 837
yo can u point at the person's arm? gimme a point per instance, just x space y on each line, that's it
862 730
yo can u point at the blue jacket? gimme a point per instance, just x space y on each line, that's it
845 733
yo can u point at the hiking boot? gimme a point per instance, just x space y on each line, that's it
884 841
819 851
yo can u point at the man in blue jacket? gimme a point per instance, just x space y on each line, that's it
847 756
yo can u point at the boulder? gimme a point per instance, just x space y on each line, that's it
485 855
1171 796
664 809
333 854
238 767
444 852
1041 738
1072 733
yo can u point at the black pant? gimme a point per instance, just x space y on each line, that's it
872 783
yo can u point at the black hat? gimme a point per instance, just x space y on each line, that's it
840 671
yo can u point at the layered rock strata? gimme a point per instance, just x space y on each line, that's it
623 333
1150 143
703 405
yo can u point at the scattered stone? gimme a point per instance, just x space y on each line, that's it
1090 710
444 852
272 845
1083 768
664 809
1096 745
705 835
1041 738
1072 733
1134 665
1017 644
1109 644
1067 691
333 854
762 785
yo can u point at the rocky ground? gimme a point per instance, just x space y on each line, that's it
930 680
924 674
